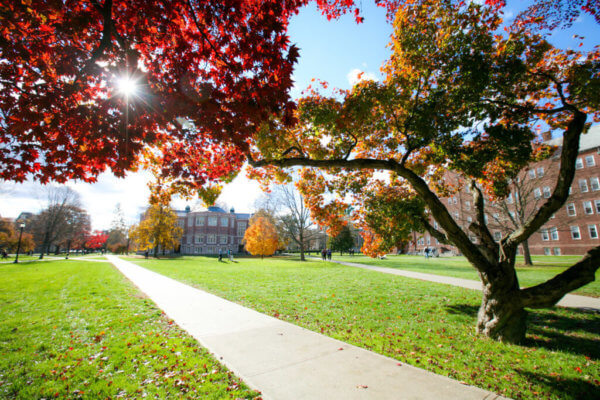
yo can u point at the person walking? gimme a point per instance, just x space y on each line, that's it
324 254
329 254
220 255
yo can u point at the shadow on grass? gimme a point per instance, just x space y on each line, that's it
553 329
567 387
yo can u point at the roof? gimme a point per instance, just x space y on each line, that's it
589 140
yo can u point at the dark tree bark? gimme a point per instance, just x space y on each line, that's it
526 253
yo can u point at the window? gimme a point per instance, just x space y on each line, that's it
575 234
449 200
428 240
224 221
222 239
241 228
587 207
537 193
593 231
547 251
496 216
546 192
557 251
595 183
181 223
190 220
469 219
545 236
199 221
212 221
509 199
456 214
571 211
571 190
512 214
589 161
532 173
211 239
454 200
497 236
468 205
540 171
583 185
554 233
435 224
579 163
485 218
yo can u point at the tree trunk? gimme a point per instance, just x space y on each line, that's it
302 258
527 253
501 314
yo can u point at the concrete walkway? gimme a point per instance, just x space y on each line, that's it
570 300
285 361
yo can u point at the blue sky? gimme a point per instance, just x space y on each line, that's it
332 51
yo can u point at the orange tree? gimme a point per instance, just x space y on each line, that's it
261 237
461 96
158 228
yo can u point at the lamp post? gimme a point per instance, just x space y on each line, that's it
22 226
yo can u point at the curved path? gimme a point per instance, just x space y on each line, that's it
285 361
570 300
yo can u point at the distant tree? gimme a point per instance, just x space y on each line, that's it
9 237
343 241
117 236
261 237
295 223
158 228
51 225
96 241
76 228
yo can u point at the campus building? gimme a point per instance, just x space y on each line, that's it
208 230
572 230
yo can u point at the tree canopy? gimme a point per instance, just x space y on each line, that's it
261 238
459 95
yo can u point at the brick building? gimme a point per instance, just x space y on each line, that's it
574 229
208 230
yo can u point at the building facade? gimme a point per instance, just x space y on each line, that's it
212 229
572 230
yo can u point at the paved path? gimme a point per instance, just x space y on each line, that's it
570 300
285 361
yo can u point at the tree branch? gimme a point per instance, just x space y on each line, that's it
550 292
458 237
569 153
480 228
441 237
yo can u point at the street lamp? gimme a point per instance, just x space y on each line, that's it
22 226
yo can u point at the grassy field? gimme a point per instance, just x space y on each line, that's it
76 329
424 324
544 268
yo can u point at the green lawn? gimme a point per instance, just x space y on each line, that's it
544 268
75 329
424 324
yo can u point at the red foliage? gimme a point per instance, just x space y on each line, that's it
96 240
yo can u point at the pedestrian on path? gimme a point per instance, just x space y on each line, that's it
220 255
324 254
329 254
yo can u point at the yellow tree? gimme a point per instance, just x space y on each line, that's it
261 237
159 228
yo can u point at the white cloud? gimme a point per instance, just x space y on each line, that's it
356 75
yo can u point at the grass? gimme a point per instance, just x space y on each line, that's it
424 324
75 329
544 268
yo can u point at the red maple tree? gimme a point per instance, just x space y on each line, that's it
96 240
